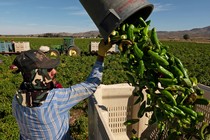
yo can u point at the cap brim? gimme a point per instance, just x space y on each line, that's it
51 63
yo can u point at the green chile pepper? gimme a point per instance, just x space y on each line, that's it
145 31
201 132
131 30
154 39
177 72
199 91
175 88
148 22
164 106
186 121
163 52
202 101
178 61
181 67
123 27
169 114
168 81
137 52
141 69
156 57
142 23
170 59
178 111
130 33
188 110
169 96
165 72
186 82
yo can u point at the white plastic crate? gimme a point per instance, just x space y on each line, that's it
94 47
112 105
21 46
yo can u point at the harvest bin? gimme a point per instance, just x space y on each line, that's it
112 105
109 108
109 14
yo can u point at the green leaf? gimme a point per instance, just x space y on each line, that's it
131 121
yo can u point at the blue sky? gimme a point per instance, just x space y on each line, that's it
42 16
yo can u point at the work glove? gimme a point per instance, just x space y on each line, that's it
104 47
124 44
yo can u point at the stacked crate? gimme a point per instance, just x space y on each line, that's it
5 46
21 46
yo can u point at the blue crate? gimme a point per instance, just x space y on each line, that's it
9 46
5 46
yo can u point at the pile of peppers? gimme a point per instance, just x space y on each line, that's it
171 95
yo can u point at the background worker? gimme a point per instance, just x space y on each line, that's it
42 110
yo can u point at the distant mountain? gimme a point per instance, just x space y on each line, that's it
87 34
195 33
80 34
203 33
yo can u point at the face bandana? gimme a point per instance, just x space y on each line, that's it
34 89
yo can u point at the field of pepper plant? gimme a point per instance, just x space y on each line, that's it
194 56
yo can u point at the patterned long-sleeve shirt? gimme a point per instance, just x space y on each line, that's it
50 121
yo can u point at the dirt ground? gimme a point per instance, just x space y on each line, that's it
196 40
75 114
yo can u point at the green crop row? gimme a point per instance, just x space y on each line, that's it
73 70
195 56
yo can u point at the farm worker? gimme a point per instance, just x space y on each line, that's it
46 49
40 109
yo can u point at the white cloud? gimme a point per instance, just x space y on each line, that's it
78 13
71 8
162 7
74 10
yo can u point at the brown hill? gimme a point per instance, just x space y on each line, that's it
90 34
196 33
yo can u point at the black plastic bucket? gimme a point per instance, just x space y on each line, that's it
109 14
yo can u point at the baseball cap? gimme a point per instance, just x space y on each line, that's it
34 59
